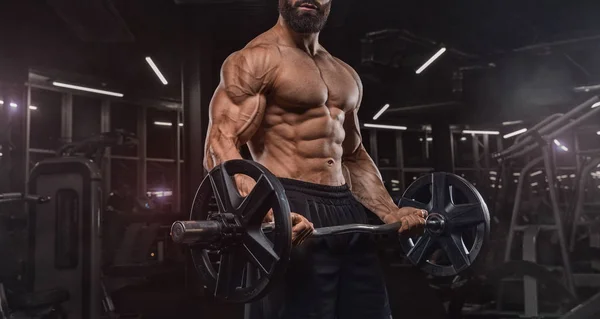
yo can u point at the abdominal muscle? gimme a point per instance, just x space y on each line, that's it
304 144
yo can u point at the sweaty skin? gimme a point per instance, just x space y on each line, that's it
295 106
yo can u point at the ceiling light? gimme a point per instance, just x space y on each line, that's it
1 102
595 104
180 124
33 107
156 70
481 132
536 173
390 127
431 60
13 105
86 89
163 123
515 133
598 133
385 107
534 184
562 147
511 123
463 138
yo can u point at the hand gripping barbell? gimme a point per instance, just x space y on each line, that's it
227 229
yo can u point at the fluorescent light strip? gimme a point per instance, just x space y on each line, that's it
564 148
536 173
86 89
13 105
163 123
515 133
33 107
464 138
534 184
595 105
390 127
598 133
180 124
481 132
557 142
156 70
383 109
511 123
431 60
1 102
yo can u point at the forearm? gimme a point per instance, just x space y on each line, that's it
367 185
220 150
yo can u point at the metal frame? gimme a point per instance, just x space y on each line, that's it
580 199
67 130
399 167
142 166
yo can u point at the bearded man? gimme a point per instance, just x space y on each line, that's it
295 106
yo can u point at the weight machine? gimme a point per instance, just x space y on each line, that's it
540 138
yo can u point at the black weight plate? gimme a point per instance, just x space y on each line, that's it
254 252
466 219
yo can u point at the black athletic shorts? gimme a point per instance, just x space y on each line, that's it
330 278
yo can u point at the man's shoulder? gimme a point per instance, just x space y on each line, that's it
259 53
348 68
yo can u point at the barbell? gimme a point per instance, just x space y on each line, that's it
227 229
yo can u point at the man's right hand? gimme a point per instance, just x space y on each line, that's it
244 184
302 228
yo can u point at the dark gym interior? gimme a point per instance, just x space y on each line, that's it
104 114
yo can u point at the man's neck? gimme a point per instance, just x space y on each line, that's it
307 42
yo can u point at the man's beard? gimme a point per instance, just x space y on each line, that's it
304 22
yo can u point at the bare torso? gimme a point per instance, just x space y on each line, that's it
302 131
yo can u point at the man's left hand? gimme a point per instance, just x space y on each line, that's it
412 219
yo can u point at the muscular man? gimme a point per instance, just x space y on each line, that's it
296 106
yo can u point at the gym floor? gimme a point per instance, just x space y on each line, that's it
104 127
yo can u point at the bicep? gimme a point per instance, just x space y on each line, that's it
238 105
235 118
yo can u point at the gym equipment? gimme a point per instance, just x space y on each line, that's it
580 218
65 245
587 310
38 304
236 230
19 197
541 138
558 298
94 147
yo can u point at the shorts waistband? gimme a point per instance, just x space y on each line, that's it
318 190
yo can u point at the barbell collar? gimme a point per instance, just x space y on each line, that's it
196 232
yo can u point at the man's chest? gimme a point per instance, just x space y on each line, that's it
306 82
